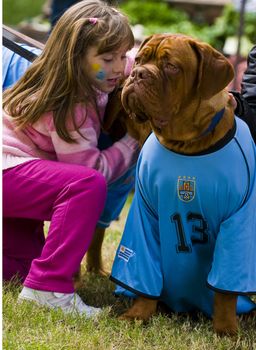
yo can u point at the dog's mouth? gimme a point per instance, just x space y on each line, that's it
142 106
139 117
159 122
133 105
138 110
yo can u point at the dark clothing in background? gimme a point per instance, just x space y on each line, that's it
246 100
58 7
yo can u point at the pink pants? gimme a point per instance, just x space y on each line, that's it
72 198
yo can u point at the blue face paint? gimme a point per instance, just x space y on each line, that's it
101 75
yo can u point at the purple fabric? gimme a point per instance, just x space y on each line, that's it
23 240
72 198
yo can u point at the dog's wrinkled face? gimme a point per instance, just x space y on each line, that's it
172 74
159 72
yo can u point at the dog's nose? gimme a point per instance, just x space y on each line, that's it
140 73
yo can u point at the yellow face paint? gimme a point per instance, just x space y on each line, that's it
95 67
100 74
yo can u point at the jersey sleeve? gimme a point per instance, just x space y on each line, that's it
234 262
137 265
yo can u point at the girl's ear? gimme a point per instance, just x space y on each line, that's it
214 70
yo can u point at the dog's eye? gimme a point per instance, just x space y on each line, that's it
172 68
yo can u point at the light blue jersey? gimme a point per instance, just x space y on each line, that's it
191 228
14 66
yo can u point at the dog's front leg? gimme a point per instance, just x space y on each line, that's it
94 254
142 309
224 314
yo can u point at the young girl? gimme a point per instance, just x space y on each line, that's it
51 124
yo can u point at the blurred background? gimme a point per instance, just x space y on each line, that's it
228 25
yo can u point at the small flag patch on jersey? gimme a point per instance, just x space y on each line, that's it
125 253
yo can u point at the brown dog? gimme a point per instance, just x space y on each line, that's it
177 84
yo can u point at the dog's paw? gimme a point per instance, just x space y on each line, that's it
134 316
127 316
226 328
142 310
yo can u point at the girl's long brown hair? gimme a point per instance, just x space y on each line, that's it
56 81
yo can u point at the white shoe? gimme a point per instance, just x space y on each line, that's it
67 302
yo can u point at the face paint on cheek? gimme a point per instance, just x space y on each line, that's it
100 74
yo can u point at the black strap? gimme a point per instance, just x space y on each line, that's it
21 51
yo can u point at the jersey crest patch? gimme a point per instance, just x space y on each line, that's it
125 253
186 186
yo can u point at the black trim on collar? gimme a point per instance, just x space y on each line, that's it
218 145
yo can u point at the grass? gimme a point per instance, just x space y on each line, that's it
29 327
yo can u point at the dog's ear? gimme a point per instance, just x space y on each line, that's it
214 70
156 38
145 41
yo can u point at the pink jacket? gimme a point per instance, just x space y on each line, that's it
41 141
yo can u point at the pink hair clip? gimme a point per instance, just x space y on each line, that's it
93 20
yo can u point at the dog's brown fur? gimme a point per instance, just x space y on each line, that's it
177 84
192 92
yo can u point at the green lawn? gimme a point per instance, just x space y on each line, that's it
28 327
